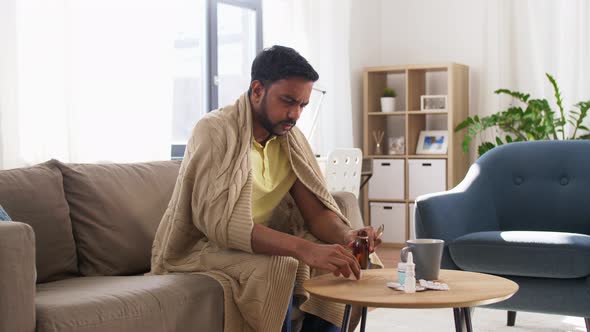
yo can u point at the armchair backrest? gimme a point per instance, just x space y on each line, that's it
541 185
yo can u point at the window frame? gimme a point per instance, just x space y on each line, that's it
211 81
255 5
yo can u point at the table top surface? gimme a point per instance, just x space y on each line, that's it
467 289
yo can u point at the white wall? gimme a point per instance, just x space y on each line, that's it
8 90
422 31
365 50
416 32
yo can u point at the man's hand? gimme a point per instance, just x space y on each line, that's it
331 257
335 258
374 238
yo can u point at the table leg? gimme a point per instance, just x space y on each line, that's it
346 318
458 319
467 316
363 318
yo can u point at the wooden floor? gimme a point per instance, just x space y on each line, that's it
389 256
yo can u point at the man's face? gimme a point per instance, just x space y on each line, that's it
278 106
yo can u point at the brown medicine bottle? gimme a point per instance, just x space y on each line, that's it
360 250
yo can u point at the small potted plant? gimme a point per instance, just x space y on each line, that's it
388 100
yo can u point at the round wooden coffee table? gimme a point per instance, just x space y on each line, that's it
467 289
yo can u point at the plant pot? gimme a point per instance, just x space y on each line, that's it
387 104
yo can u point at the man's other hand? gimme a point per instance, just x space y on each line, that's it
368 231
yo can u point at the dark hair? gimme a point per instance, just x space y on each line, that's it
280 62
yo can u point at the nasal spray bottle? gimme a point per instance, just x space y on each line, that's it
410 280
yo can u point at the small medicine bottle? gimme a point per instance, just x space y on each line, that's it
410 279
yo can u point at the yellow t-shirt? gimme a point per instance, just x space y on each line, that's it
273 177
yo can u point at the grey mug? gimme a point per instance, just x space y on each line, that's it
427 255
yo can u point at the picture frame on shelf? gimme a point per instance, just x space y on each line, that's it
433 142
433 103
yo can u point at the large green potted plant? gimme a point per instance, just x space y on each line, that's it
532 120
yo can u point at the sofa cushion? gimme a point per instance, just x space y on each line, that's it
179 302
115 211
524 253
35 196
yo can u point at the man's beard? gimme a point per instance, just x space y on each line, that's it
267 124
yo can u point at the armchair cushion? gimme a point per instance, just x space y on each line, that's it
524 253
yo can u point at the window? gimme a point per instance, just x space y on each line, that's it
234 37
190 76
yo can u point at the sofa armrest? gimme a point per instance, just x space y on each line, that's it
17 277
349 206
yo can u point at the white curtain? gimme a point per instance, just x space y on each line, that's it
85 81
526 39
320 31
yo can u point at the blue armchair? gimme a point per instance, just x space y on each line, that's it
522 212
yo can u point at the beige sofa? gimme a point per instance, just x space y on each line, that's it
88 231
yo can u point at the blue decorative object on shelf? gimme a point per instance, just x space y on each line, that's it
3 215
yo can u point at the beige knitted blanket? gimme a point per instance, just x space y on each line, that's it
208 223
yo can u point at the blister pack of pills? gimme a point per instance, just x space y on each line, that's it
399 287
433 285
